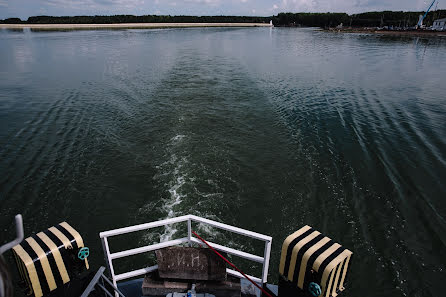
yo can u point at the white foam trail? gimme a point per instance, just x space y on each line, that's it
169 205
173 174
179 178
177 138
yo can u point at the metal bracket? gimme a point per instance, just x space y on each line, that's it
19 235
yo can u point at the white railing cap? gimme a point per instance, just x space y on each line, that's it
231 228
180 219
145 226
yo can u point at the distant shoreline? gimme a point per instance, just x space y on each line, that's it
127 26
419 33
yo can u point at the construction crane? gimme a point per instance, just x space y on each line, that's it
420 21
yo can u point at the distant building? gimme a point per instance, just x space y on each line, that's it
439 25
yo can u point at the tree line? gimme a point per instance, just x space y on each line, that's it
114 19
367 19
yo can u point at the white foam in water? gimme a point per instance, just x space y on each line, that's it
177 181
172 173
169 205
177 138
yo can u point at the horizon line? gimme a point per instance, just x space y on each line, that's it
219 15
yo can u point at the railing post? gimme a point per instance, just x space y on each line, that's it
189 231
108 260
106 256
266 256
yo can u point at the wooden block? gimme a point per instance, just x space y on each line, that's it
155 286
190 263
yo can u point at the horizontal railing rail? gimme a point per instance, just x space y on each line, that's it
109 257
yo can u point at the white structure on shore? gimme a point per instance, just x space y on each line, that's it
439 25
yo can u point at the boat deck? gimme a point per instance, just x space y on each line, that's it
132 288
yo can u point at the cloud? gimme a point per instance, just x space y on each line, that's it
26 8
212 2
351 6
81 4
300 5
372 4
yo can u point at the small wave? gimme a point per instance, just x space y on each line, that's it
174 140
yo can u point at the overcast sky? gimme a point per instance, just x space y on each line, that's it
26 8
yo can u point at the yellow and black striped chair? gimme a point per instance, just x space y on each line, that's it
45 260
313 264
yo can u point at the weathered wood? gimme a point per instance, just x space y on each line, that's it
190 263
229 288
155 286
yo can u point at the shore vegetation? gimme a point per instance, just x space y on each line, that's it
324 20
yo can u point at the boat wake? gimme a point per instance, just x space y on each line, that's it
178 180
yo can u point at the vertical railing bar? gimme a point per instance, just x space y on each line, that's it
109 262
266 256
189 231
104 250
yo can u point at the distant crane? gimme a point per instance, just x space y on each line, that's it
420 21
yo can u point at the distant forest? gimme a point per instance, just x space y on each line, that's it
367 19
116 19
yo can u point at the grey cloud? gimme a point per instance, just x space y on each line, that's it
26 8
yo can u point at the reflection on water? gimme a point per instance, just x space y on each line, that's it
266 129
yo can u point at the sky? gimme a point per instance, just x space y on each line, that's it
26 8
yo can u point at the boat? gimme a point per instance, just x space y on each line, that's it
54 262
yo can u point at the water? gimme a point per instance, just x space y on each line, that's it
266 129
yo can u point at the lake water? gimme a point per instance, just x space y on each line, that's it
265 129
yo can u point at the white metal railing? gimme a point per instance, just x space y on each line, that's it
109 257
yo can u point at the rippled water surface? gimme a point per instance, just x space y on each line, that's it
266 129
